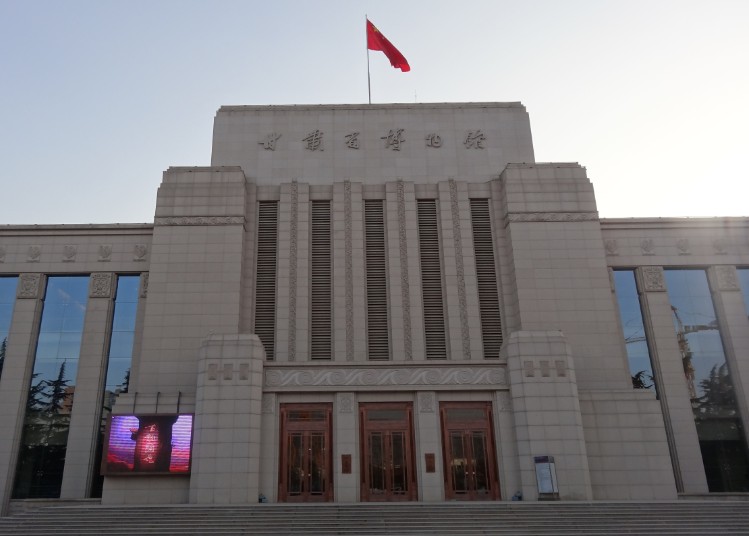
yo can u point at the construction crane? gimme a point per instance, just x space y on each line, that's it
686 352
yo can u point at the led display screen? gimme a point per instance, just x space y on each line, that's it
148 444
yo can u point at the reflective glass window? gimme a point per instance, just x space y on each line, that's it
7 301
708 378
744 282
120 358
41 458
633 327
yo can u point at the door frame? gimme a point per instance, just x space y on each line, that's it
388 426
485 424
325 426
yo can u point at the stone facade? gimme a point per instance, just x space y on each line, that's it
264 277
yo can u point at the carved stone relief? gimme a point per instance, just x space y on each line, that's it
139 252
612 248
647 246
652 279
144 285
682 246
504 402
29 286
427 402
294 224
69 253
105 253
269 403
720 246
349 275
405 288
100 285
34 253
345 402
460 269
726 277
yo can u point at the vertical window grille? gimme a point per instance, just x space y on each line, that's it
378 340
7 301
431 279
41 457
265 275
486 277
321 325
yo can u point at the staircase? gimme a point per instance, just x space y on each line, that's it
448 519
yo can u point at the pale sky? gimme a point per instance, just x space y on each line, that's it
98 98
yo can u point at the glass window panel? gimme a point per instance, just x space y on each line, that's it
708 378
386 414
121 345
465 414
744 283
633 327
51 393
7 301
124 318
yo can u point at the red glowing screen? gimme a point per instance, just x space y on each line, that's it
148 444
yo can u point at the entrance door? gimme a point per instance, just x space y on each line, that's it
306 462
387 453
468 445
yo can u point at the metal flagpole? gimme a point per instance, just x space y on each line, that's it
366 43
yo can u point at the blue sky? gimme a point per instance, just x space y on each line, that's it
98 98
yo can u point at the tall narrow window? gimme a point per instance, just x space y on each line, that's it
635 337
486 278
744 282
378 340
431 279
120 359
265 274
7 301
41 458
709 382
321 324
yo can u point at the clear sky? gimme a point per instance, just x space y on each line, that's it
98 98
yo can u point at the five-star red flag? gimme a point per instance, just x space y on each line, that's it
377 41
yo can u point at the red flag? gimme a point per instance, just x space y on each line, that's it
377 41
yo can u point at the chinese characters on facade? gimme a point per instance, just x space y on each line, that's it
313 141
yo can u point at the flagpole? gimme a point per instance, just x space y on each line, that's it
366 44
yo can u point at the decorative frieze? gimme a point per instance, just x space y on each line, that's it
69 253
612 248
200 220
720 246
653 279
29 286
375 377
100 285
517 217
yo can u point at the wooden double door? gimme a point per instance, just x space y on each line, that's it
387 452
468 451
306 453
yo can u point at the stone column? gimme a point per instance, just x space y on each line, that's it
92 368
428 443
227 433
672 387
345 432
14 385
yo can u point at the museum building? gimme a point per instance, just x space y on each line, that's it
374 303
